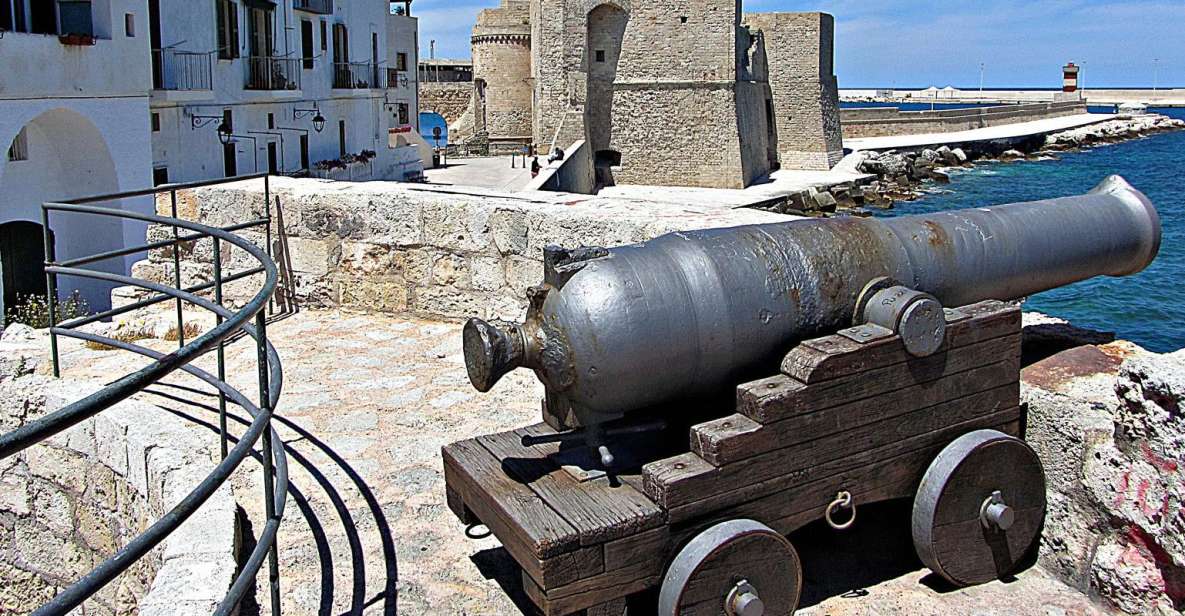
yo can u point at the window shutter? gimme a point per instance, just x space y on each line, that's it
233 9
220 27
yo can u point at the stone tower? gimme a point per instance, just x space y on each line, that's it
501 45
663 92
800 51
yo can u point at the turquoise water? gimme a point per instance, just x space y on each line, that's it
1146 308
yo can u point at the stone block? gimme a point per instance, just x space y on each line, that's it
508 228
449 303
316 257
522 274
451 270
465 226
368 258
377 293
487 273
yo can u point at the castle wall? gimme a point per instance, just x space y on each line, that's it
449 99
800 50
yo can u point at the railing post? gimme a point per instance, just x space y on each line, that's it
265 406
51 291
177 271
267 214
221 346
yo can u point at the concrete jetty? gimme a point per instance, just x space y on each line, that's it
1009 132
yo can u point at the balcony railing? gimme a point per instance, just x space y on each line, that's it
397 78
272 73
320 7
356 76
173 69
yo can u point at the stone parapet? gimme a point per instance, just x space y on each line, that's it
71 502
431 252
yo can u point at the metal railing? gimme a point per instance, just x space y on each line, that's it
272 73
229 325
320 7
356 75
173 69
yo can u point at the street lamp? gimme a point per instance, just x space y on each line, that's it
981 67
1155 74
224 134
318 119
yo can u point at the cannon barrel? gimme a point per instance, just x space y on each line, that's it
617 330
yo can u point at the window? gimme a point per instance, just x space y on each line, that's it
75 16
401 62
6 15
271 121
404 114
227 16
306 44
259 32
341 136
304 152
156 122
160 175
19 150
129 25
324 37
600 55
43 18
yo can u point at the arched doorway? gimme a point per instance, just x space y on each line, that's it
22 259
64 156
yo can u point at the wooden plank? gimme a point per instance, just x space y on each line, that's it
529 530
734 438
456 504
599 510
673 482
781 397
836 356
775 498
642 547
597 590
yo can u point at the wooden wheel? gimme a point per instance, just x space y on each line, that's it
736 568
979 508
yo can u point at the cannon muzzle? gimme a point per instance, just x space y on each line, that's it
690 313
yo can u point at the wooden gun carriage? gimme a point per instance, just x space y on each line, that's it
852 419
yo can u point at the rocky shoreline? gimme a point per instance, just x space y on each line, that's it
905 175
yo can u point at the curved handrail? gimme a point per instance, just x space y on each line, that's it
230 324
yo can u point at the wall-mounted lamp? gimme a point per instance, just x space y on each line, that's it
201 121
318 119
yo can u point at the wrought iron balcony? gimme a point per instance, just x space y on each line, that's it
356 76
174 69
320 7
273 73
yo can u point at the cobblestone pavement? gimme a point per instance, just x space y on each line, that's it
369 401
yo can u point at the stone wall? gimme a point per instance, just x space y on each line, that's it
890 121
800 51
70 503
449 99
430 252
501 46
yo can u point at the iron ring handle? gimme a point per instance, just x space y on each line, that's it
842 500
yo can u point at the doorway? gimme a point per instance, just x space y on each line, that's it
22 261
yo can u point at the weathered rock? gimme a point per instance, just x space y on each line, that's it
1012 155
825 201
1106 421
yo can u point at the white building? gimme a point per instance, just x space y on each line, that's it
73 123
296 83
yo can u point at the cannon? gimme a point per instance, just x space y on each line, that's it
871 359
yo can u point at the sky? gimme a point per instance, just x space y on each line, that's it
905 43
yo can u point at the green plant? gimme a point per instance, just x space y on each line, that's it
33 310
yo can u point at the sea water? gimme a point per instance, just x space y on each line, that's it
1148 308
